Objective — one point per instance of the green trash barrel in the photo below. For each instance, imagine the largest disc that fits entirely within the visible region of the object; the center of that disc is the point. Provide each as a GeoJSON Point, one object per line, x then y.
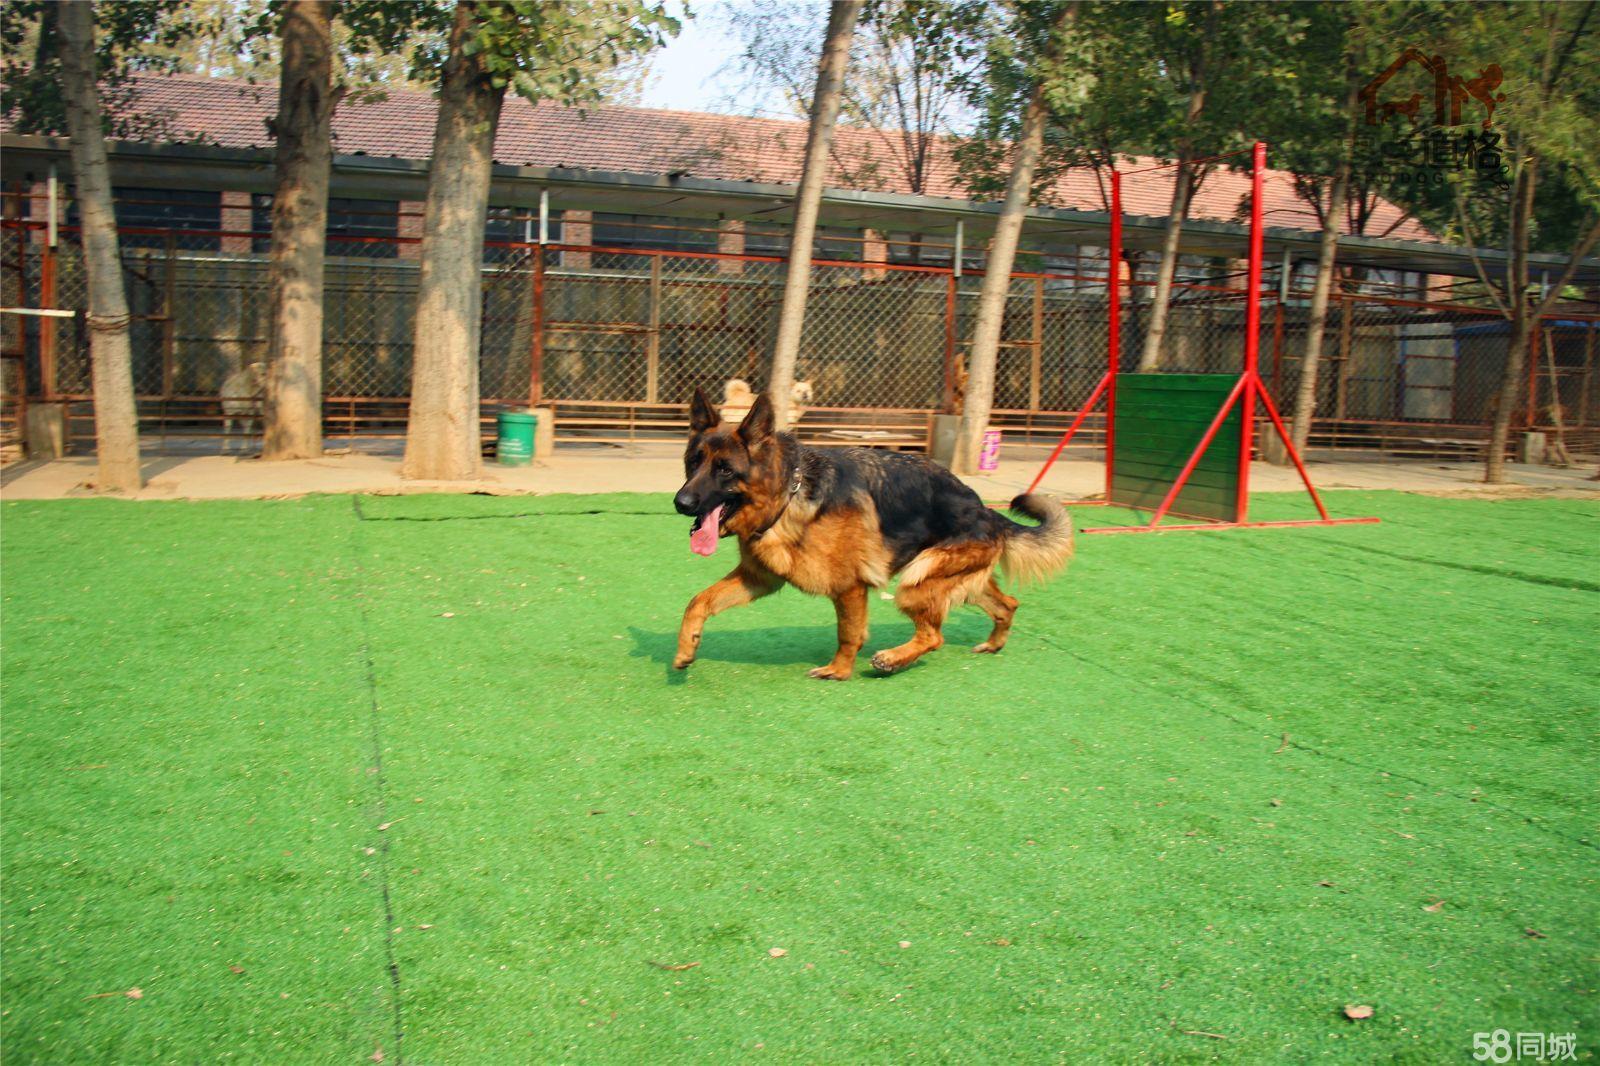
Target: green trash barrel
{"type": "Point", "coordinates": [515, 445]}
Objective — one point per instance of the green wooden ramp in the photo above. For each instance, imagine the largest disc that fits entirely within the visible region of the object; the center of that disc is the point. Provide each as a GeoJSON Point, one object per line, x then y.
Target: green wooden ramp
{"type": "Point", "coordinates": [1159, 421]}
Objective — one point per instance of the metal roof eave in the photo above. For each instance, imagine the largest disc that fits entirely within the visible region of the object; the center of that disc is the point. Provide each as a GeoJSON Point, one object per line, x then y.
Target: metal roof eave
{"type": "Point", "coordinates": [686, 196]}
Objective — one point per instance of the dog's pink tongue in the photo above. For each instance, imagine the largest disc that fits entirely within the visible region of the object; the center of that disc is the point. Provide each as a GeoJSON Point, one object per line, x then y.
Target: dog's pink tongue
{"type": "Point", "coordinates": [703, 541]}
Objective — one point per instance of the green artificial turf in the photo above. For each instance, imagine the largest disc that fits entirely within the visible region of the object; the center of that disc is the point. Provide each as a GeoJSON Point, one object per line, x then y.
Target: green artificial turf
{"type": "Point", "coordinates": [418, 767]}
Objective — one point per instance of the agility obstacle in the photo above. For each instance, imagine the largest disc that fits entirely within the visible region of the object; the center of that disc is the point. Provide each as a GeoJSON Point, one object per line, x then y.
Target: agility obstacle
{"type": "Point", "coordinates": [1154, 420]}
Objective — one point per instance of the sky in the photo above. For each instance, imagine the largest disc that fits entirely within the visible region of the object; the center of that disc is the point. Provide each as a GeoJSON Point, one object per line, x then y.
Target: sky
{"type": "Point", "coordinates": [694, 71]}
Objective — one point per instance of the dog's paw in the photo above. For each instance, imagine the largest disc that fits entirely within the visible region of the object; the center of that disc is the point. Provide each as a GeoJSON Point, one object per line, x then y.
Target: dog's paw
{"type": "Point", "coordinates": [885, 663]}
{"type": "Point", "coordinates": [829, 673]}
{"type": "Point", "coordinates": [986, 648]}
{"type": "Point", "coordinates": [681, 662]}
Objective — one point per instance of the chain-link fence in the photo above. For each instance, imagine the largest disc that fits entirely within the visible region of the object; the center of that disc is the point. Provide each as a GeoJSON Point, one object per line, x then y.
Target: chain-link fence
{"type": "Point", "coordinates": [618, 338]}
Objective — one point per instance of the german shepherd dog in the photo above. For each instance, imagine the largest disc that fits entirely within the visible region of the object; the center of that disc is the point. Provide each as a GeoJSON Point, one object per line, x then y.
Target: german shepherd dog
{"type": "Point", "coordinates": [838, 522]}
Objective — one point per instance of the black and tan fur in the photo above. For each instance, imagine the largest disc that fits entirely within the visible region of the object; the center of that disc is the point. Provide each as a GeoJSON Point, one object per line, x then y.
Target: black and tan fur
{"type": "Point", "coordinates": [838, 522]}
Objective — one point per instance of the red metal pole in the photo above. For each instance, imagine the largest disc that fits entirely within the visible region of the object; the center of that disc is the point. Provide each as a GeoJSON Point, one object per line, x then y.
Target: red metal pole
{"type": "Point", "coordinates": [47, 324]}
{"type": "Point", "coordinates": [1211, 526]}
{"type": "Point", "coordinates": [536, 357]}
{"type": "Point", "coordinates": [1205, 442]}
{"type": "Point", "coordinates": [1083, 413]}
{"type": "Point", "coordinates": [1533, 375]}
{"type": "Point", "coordinates": [950, 344]}
{"type": "Point", "coordinates": [1288, 442]}
{"type": "Point", "coordinates": [1252, 334]}
{"type": "Point", "coordinates": [1114, 324]}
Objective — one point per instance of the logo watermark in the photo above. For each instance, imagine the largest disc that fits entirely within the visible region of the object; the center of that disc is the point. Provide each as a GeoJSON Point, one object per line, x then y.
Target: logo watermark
{"type": "Point", "coordinates": [1410, 150]}
{"type": "Point", "coordinates": [1501, 1045]}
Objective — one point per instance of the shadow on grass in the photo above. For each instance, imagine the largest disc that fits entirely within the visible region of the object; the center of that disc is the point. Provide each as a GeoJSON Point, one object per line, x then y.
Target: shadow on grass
{"type": "Point", "coordinates": [799, 646]}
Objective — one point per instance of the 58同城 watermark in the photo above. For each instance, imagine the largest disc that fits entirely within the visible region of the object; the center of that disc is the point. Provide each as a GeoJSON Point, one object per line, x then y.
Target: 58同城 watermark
{"type": "Point", "coordinates": [1502, 1045]}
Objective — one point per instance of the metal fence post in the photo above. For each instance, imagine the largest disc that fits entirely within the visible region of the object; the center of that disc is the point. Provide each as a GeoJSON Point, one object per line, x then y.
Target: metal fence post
{"type": "Point", "coordinates": [536, 356]}
{"type": "Point", "coordinates": [1588, 372]}
{"type": "Point", "coordinates": [1342, 381]}
{"type": "Point", "coordinates": [1534, 340]}
{"type": "Point", "coordinates": [47, 324]}
{"type": "Point", "coordinates": [652, 354]}
{"type": "Point", "coordinates": [168, 324]}
{"type": "Point", "coordinates": [949, 403]}
{"type": "Point", "coordinates": [1035, 364]}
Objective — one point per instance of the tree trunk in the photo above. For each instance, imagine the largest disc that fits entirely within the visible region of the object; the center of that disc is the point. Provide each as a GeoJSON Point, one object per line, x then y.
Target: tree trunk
{"type": "Point", "coordinates": [1305, 402]}
{"type": "Point", "coordinates": [808, 199]}
{"type": "Point", "coordinates": [116, 420]}
{"type": "Point", "coordinates": [304, 124]}
{"type": "Point", "coordinates": [1155, 330]}
{"type": "Point", "coordinates": [996, 286]}
{"type": "Point", "coordinates": [442, 436]}
{"type": "Point", "coordinates": [1521, 321]}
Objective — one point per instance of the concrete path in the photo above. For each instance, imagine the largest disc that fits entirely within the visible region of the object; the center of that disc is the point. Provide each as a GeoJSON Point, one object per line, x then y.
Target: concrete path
{"type": "Point", "coordinates": [657, 467]}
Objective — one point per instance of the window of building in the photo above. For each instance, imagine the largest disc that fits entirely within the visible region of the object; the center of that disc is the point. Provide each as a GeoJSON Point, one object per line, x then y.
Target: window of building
{"type": "Point", "coordinates": [193, 216]}
{"type": "Point", "coordinates": [351, 225]}
{"type": "Point", "coordinates": [660, 234]}
{"type": "Point", "coordinates": [518, 224]}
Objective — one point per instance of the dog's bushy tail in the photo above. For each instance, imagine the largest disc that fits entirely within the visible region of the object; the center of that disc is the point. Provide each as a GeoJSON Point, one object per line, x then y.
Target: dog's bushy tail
{"type": "Point", "coordinates": [1033, 553]}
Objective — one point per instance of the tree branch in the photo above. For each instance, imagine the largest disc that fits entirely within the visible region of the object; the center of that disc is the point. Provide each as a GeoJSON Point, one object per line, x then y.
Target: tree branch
{"type": "Point", "coordinates": [1572, 266]}
{"type": "Point", "coordinates": [1472, 250]}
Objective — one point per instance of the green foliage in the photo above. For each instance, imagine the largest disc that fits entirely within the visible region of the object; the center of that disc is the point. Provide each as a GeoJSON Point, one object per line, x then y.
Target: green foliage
{"type": "Point", "coordinates": [546, 51]}
{"type": "Point", "coordinates": [129, 36]}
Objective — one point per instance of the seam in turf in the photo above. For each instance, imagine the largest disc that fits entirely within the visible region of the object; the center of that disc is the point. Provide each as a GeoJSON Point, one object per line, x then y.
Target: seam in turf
{"type": "Point", "coordinates": [1532, 821]}
{"type": "Point", "coordinates": [1576, 584]}
{"type": "Point", "coordinates": [382, 803]}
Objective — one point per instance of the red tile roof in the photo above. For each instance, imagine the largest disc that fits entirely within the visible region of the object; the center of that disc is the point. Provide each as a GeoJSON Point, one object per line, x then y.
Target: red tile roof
{"type": "Point", "coordinates": [233, 114]}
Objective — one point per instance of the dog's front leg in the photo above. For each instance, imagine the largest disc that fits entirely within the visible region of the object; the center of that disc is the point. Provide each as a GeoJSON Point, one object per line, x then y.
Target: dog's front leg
{"type": "Point", "coordinates": [851, 608]}
{"type": "Point", "coordinates": [735, 590]}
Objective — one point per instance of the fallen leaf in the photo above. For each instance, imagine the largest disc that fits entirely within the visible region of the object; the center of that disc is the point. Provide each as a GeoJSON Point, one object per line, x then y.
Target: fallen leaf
{"type": "Point", "coordinates": [671, 965]}
{"type": "Point", "coordinates": [597, 812]}
{"type": "Point", "coordinates": [424, 927]}
{"type": "Point", "coordinates": [1001, 943]}
{"type": "Point", "coordinates": [1356, 1013]}
{"type": "Point", "coordinates": [237, 969]}
{"type": "Point", "coordinates": [377, 1056]}
{"type": "Point", "coordinates": [448, 614]}
{"type": "Point", "coordinates": [132, 993]}
{"type": "Point", "coordinates": [1199, 1032]}
{"type": "Point", "coordinates": [1324, 884]}
{"type": "Point", "coordinates": [905, 943]}
{"type": "Point", "coordinates": [1434, 907]}
{"type": "Point", "coordinates": [384, 826]}
{"type": "Point", "coordinates": [1276, 802]}
{"type": "Point", "coordinates": [1535, 934]}
{"type": "Point", "coordinates": [777, 953]}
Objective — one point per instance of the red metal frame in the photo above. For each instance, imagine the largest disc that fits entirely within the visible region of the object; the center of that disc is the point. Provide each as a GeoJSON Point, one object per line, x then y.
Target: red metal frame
{"type": "Point", "coordinates": [1245, 391]}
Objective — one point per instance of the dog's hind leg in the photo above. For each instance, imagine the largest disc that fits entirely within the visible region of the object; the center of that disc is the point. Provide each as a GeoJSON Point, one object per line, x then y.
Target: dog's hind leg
{"type": "Point", "coordinates": [851, 607]}
{"type": "Point", "coordinates": [1000, 607]}
{"type": "Point", "coordinates": [746, 583]}
{"type": "Point", "coordinates": [934, 582]}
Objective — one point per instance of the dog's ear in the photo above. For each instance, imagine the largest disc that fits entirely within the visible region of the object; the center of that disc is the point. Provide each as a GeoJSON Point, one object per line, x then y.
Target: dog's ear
{"type": "Point", "coordinates": [702, 416]}
{"type": "Point", "coordinates": [757, 425]}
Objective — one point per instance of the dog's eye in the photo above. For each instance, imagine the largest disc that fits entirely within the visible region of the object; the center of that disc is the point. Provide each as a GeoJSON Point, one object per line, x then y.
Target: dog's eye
{"type": "Point", "coordinates": [723, 471]}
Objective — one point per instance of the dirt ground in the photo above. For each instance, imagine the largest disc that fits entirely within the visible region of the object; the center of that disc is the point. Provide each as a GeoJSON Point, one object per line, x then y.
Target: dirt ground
{"type": "Point", "coordinates": [656, 467]}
